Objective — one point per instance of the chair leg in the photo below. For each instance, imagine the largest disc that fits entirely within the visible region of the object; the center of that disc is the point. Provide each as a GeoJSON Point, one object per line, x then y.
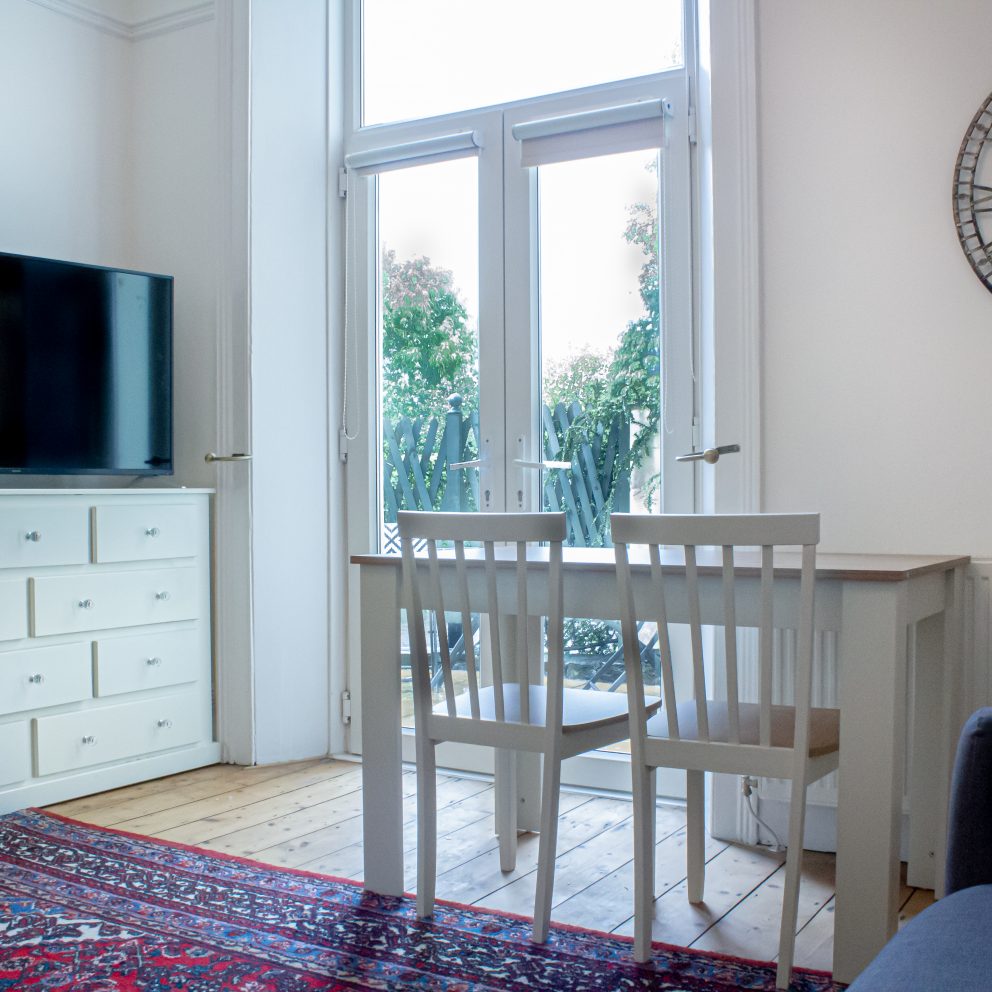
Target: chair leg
{"type": "Point", "coordinates": [548, 846]}
{"type": "Point", "coordinates": [426, 826]}
{"type": "Point", "coordinates": [506, 808]}
{"type": "Point", "coordinates": [644, 788]}
{"type": "Point", "coordinates": [695, 843]}
{"type": "Point", "coordinates": [790, 894]}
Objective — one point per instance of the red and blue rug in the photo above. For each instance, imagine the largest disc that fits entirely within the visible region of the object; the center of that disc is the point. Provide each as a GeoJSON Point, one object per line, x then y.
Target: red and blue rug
{"type": "Point", "coordinates": [85, 909]}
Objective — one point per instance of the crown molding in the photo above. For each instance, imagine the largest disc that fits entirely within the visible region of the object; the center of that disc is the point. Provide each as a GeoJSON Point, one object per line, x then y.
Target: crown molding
{"type": "Point", "coordinates": [98, 14]}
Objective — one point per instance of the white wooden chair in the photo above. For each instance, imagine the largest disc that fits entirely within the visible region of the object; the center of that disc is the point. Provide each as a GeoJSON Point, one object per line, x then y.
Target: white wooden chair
{"type": "Point", "coordinates": [700, 733]}
{"type": "Point", "coordinates": [510, 714]}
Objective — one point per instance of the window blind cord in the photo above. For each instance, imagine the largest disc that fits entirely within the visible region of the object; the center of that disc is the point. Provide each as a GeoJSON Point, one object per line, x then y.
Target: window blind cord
{"type": "Point", "coordinates": [349, 227]}
{"type": "Point", "coordinates": [663, 343]}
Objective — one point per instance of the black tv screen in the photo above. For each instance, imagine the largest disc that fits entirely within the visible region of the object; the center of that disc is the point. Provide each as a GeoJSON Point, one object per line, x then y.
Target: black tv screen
{"type": "Point", "coordinates": [85, 369]}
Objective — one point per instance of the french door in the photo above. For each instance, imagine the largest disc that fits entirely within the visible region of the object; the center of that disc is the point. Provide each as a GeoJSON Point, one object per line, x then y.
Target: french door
{"type": "Point", "coordinates": [520, 325]}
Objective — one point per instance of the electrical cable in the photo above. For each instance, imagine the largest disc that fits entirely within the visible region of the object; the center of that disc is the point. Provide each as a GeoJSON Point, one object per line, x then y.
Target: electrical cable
{"type": "Point", "coordinates": [747, 789]}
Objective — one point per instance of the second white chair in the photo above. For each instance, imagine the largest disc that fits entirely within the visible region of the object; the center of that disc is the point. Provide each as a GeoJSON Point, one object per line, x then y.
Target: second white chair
{"type": "Point", "coordinates": [697, 731]}
{"type": "Point", "coordinates": [512, 713]}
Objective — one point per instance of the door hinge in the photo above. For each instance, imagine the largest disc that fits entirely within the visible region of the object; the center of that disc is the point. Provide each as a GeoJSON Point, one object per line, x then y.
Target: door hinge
{"type": "Point", "coordinates": [695, 433]}
{"type": "Point", "coordinates": [346, 707]}
{"type": "Point", "coordinates": [692, 126]}
{"type": "Point", "coordinates": [342, 182]}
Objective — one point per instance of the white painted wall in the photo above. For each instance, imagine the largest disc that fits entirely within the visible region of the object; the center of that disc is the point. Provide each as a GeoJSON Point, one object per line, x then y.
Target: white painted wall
{"type": "Point", "coordinates": [64, 190]}
{"type": "Point", "coordinates": [289, 378]}
{"type": "Point", "coordinates": [172, 224]}
{"type": "Point", "coordinates": [109, 157]}
{"type": "Point", "coordinates": [877, 336]}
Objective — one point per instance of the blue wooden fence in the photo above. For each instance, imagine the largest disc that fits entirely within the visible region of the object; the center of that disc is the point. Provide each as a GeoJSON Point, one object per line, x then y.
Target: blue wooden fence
{"type": "Point", "coordinates": [418, 454]}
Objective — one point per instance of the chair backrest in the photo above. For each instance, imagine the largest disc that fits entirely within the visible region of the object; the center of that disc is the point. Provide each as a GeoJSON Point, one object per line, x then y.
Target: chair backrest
{"type": "Point", "coordinates": [425, 590]}
{"type": "Point", "coordinates": [710, 596]}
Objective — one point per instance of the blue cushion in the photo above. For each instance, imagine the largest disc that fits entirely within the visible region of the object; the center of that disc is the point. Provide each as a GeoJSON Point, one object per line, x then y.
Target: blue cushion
{"type": "Point", "coordinates": [945, 947]}
{"type": "Point", "coordinates": [969, 829]}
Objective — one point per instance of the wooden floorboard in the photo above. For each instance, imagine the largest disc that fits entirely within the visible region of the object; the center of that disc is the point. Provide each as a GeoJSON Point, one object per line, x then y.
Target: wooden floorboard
{"type": "Point", "coordinates": [308, 815]}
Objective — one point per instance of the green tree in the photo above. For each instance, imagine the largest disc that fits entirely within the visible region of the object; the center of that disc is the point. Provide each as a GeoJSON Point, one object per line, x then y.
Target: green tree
{"type": "Point", "coordinates": [429, 351]}
{"type": "Point", "coordinates": [623, 386]}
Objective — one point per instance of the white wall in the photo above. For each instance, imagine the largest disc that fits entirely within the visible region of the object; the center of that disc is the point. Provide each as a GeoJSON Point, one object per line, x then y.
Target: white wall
{"type": "Point", "coordinates": [63, 121]}
{"type": "Point", "coordinates": [172, 224]}
{"type": "Point", "coordinates": [877, 336]}
{"type": "Point", "coordinates": [289, 378]}
{"type": "Point", "coordinates": [109, 158]}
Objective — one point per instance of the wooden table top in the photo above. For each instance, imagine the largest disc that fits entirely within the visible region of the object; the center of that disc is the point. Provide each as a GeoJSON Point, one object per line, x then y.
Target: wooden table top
{"type": "Point", "coordinates": [829, 565]}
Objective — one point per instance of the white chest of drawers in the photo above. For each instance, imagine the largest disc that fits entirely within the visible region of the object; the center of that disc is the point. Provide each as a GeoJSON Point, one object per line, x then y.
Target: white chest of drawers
{"type": "Point", "coordinates": [105, 648]}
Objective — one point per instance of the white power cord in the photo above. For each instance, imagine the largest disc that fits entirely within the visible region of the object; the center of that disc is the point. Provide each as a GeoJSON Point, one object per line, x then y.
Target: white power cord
{"type": "Point", "coordinates": [749, 785]}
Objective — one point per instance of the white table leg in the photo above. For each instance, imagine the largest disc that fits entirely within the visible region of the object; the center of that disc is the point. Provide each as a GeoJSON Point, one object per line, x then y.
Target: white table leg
{"type": "Point", "coordinates": [382, 759]}
{"type": "Point", "coordinates": [954, 715]}
{"type": "Point", "coordinates": [869, 807]}
{"type": "Point", "coordinates": [927, 749]}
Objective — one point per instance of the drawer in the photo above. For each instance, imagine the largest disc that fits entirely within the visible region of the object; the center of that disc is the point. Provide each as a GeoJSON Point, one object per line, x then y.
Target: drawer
{"type": "Point", "coordinates": [65, 604]}
{"type": "Point", "coordinates": [41, 677]}
{"type": "Point", "coordinates": [54, 535]}
{"type": "Point", "coordinates": [136, 533]}
{"type": "Point", "coordinates": [15, 752]}
{"type": "Point", "coordinates": [68, 741]}
{"type": "Point", "coordinates": [147, 661]}
{"type": "Point", "coordinates": [13, 609]}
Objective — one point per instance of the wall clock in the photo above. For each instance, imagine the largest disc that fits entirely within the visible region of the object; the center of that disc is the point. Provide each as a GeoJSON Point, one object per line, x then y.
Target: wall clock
{"type": "Point", "coordinates": [973, 193]}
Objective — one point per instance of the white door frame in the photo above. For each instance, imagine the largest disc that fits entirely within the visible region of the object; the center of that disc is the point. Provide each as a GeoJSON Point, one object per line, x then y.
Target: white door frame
{"type": "Point", "coordinates": [233, 661]}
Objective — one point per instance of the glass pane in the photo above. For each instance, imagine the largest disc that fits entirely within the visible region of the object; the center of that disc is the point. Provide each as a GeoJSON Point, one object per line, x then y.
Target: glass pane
{"type": "Point", "coordinates": [429, 349]}
{"type": "Point", "coordinates": [600, 370]}
{"type": "Point", "coordinates": [440, 56]}
{"type": "Point", "coordinates": [600, 339]}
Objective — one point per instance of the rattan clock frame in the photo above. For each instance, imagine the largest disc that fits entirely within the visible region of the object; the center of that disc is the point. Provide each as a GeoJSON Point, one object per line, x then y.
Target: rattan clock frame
{"type": "Point", "coordinates": [971, 199]}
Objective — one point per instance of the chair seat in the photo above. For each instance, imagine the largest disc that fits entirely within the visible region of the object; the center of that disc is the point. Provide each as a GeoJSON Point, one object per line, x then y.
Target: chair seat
{"type": "Point", "coordinates": [824, 726]}
{"type": "Point", "coordinates": [584, 709]}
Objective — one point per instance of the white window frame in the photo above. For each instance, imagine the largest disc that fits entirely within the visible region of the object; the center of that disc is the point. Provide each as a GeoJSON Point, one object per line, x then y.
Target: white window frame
{"type": "Point", "coordinates": [693, 271]}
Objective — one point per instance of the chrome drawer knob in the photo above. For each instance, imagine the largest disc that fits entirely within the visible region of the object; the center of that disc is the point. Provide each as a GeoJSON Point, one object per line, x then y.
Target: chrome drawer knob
{"type": "Point", "coordinates": [165, 724]}
{"type": "Point", "coordinates": [33, 535]}
{"type": "Point", "coordinates": [163, 595]}
{"type": "Point", "coordinates": [37, 678]}
{"type": "Point", "coordinates": [86, 604]}
{"type": "Point", "coordinates": [89, 739]}
{"type": "Point", "coordinates": [153, 661]}
{"type": "Point", "coordinates": [152, 531]}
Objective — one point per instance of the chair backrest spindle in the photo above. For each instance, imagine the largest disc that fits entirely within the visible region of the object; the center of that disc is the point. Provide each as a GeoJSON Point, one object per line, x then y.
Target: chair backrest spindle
{"type": "Point", "coordinates": [730, 646]}
{"type": "Point", "coordinates": [664, 642]}
{"type": "Point", "coordinates": [467, 635]}
{"type": "Point", "coordinates": [523, 640]}
{"type": "Point", "coordinates": [696, 634]}
{"type": "Point", "coordinates": [766, 632]}
{"type": "Point", "coordinates": [442, 627]}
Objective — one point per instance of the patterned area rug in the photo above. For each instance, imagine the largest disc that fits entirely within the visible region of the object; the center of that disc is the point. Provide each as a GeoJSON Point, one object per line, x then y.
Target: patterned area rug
{"type": "Point", "coordinates": [94, 910]}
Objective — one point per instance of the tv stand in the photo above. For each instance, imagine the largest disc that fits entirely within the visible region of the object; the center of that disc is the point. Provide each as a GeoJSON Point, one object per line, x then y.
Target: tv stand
{"type": "Point", "coordinates": [105, 648]}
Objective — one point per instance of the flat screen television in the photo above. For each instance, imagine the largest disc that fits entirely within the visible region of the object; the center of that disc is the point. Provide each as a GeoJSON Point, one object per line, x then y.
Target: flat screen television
{"type": "Point", "coordinates": [85, 369]}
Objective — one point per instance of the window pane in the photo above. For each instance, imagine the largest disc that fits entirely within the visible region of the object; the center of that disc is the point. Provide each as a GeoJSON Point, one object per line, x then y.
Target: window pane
{"type": "Point", "coordinates": [429, 340]}
{"type": "Point", "coordinates": [600, 339]}
{"type": "Point", "coordinates": [439, 56]}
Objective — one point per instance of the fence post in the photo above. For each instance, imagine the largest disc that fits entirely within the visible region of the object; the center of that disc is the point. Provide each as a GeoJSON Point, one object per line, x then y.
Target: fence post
{"type": "Point", "coordinates": [451, 445]}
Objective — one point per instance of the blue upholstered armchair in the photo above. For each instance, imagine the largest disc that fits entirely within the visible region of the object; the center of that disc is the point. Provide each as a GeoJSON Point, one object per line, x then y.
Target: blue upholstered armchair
{"type": "Point", "coordinates": [949, 945]}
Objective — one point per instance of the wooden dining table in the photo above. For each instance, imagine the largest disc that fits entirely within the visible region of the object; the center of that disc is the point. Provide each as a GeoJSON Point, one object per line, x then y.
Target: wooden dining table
{"type": "Point", "coordinates": [897, 620]}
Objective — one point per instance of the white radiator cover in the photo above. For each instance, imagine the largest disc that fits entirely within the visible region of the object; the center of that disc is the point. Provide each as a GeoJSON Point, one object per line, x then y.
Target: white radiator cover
{"type": "Point", "coordinates": [731, 819]}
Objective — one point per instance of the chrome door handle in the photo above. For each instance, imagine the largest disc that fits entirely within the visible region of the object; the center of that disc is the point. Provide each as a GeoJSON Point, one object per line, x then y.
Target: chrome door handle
{"type": "Point", "coordinates": [710, 455]}
{"type": "Point", "coordinates": [524, 463]}
{"type": "Point", "coordinates": [237, 456]}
